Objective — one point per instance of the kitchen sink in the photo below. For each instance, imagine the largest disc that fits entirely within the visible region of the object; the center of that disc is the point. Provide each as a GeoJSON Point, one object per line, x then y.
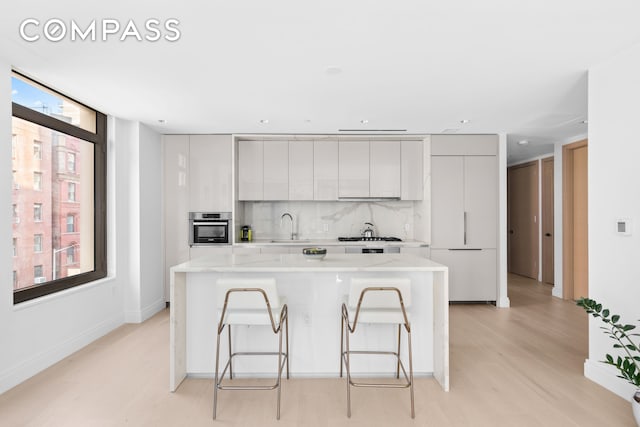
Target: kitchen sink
{"type": "Point", "coordinates": [290, 241]}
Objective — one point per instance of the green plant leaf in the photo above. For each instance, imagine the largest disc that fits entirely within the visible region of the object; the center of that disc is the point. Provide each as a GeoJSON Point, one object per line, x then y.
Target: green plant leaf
{"type": "Point", "coordinates": [628, 327]}
{"type": "Point", "coordinates": [615, 318]}
{"type": "Point", "coordinates": [605, 312]}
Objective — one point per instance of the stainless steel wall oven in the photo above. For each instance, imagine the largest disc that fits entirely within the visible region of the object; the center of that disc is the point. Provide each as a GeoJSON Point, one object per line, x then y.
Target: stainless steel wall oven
{"type": "Point", "coordinates": [209, 228]}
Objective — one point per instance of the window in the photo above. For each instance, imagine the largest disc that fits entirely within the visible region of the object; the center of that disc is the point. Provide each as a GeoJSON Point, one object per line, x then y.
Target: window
{"type": "Point", "coordinates": [15, 247]}
{"type": "Point", "coordinates": [71, 254]}
{"type": "Point", "coordinates": [60, 133]}
{"type": "Point", "coordinates": [37, 181]}
{"type": "Point", "coordinates": [37, 150]}
{"type": "Point", "coordinates": [71, 192]}
{"type": "Point", "coordinates": [37, 243]}
{"type": "Point", "coordinates": [38, 272]}
{"type": "Point", "coordinates": [71, 162]}
{"type": "Point", "coordinates": [37, 212]}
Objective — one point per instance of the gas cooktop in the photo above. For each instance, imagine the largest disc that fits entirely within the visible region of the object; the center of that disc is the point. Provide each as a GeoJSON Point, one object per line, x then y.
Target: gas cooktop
{"type": "Point", "coordinates": [369, 239]}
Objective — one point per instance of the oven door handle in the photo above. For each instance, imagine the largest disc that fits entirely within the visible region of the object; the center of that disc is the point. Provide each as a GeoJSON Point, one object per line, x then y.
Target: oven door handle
{"type": "Point", "coordinates": [210, 223]}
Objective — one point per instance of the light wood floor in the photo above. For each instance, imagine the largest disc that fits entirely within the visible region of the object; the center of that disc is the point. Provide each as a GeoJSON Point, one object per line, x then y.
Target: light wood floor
{"type": "Point", "coordinates": [513, 367]}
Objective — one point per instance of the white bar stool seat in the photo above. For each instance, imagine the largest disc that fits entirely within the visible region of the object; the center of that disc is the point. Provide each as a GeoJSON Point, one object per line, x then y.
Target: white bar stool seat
{"type": "Point", "coordinates": [376, 301]}
{"type": "Point", "coordinates": [250, 302]}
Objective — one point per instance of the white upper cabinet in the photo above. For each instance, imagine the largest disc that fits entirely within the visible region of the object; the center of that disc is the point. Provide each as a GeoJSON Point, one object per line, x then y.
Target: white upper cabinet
{"type": "Point", "coordinates": [210, 173]}
{"type": "Point", "coordinates": [384, 169]}
{"type": "Point", "coordinates": [325, 170]}
{"type": "Point", "coordinates": [464, 192]}
{"type": "Point", "coordinates": [276, 170]}
{"type": "Point", "coordinates": [330, 170]}
{"type": "Point", "coordinates": [447, 201]}
{"type": "Point", "coordinates": [250, 170]}
{"type": "Point", "coordinates": [481, 200]}
{"type": "Point", "coordinates": [353, 169]}
{"type": "Point", "coordinates": [301, 170]}
{"type": "Point", "coordinates": [412, 170]}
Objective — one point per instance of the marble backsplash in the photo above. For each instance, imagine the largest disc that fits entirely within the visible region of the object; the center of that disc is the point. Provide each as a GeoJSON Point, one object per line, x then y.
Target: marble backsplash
{"type": "Point", "coordinates": [328, 220]}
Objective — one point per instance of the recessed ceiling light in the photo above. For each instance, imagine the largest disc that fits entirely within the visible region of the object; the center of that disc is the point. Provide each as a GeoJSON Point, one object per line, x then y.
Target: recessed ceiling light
{"type": "Point", "coordinates": [364, 121]}
{"type": "Point", "coordinates": [264, 121]}
{"type": "Point", "coordinates": [162, 121]}
{"type": "Point", "coordinates": [584, 122]}
{"type": "Point", "coordinates": [465, 121]}
{"type": "Point", "coordinates": [332, 69]}
{"type": "Point", "coordinates": [523, 142]}
{"type": "Point", "coordinates": [307, 121]}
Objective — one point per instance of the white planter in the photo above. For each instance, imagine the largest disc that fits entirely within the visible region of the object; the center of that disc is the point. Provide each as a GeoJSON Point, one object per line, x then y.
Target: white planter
{"type": "Point", "coordinates": [636, 408]}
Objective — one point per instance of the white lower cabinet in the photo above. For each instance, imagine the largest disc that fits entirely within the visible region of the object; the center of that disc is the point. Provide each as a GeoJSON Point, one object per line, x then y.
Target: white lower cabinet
{"type": "Point", "coordinates": [239, 250]}
{"type": "Point", "coordinates": [472, 273]}
{"type": "Point", "coordinates": [208, 251]}
{"type": "Point", "coordinates": [421, 251]}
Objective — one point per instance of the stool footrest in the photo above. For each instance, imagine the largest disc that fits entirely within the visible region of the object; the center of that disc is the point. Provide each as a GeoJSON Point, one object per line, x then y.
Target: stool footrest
{"type": "Point", "coordinates": [406, 384]}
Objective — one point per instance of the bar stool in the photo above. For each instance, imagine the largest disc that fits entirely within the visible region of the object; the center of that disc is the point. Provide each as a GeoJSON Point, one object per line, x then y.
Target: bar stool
{"type": "Point", "coordinates": [250, 302]}
{"type": "Point", "coordinates": [380, 301]}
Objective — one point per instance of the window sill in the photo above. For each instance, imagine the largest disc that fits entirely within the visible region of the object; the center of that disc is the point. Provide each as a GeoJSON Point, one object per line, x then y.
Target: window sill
{"type": "Point", "coordinates": [63, 294]}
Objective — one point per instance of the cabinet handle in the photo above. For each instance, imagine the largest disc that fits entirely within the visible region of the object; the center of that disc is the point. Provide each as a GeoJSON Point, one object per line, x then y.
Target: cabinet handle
{"type": "Point", "coordinates": [465, 228]}
{"type": "Point", "coordinates": [465, 249]}
{"type": "Point", "coordinates": [548, 234]}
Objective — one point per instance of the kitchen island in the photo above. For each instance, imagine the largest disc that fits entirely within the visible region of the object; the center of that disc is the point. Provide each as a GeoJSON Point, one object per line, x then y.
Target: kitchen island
{"type": "Point", "coordinates": [314, 290]}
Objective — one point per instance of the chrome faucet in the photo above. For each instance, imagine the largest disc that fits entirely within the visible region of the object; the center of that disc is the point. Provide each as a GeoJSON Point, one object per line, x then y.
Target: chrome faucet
{"type": "Point", "coordinates": [293, 235]}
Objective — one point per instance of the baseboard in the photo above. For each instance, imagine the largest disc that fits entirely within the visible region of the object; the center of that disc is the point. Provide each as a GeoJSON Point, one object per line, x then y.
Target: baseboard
{"type": "Point", "coordinates": [31, 366]}
{"type": "Point", "coordinates": [139, 316]}
{"type": "Point", "coordinates": [605, 375]}
{"type": "Point", "coordinates": [504, 302]}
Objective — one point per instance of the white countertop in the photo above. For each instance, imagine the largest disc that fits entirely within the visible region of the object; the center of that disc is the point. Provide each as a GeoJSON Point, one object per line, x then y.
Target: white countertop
{"type": "Point", "coordinates": [328, 242]}
{"type": "Point", "coordinates": [297, 262]}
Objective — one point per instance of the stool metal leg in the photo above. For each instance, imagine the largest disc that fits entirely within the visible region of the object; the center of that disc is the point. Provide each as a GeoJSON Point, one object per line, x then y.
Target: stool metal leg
{"type": "Point", "coordinates": [287, 332]}
{"type": "Point", "coordinates": [341, 344]}
{"type": "Point", "coordinates": [279, 371]}
{"type": "Point", "coordinates": [398, 361]}
{"type": "Point", "coordinates": [348, 366]}
{"type": "Point", "coordinates": [230, 358]}
{"type": "Point", "coordinates": [413, 412]}
{"type": "Point", "coordinates": [215, 378]}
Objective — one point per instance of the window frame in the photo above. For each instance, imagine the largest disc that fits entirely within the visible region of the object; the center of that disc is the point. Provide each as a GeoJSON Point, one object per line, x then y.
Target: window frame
{"type": "Point", "coordinates": [99, 139]}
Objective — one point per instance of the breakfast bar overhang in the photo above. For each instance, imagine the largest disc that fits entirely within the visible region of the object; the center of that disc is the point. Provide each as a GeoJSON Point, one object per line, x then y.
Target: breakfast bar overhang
{"type": "Point", "coordinates": [314, 290]}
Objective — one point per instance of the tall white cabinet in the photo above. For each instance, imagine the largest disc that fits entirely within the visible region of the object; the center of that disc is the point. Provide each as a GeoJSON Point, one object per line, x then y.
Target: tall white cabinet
{"type": "Point", "coordinates": [176, 202]}
{"type": "Point", "coordinates": [196, 178]}
{"type": "Point", "coordinates": [464, 213]}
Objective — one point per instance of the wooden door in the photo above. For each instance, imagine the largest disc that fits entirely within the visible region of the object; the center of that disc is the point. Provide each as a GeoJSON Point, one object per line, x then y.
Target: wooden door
{"type": "Point", "coordinates": [522, 183]}
{"type": "Point", "coordinates": [547, 220]}
{"type": "Point", "coordinates": [575, 250]}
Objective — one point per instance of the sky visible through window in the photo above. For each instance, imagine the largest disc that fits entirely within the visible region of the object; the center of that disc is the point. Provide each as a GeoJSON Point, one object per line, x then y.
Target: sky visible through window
{"type": "Point", "coordinates": [34, 98]}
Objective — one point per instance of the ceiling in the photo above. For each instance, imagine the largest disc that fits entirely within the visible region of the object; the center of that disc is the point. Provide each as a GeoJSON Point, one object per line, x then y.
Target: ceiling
{"type": "Point", "coordinates": [518, 68]}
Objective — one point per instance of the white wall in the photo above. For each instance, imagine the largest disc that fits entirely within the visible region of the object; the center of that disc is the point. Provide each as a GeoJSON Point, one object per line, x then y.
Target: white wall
{"type": "Point", "coordinates": [614, 151]}
{"type": "Point", "coordinates": [139, 180]}
{"type": "Point", "coordinates": [151, 245]}
{"type": "Point", "coordinates": [38, 333]}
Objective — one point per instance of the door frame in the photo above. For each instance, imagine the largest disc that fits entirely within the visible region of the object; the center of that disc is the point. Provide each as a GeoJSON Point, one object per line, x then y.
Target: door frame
{"type": "Point", "coordinates": [545, 218]}
{"type": "Point", "coordinates": [568, 216]}
{"type": "Point", "coordinates": [535, 197]}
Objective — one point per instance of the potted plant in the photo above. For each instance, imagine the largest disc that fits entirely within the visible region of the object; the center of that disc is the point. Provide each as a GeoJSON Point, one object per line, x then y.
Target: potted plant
{"type": "Point", "coordinates": [628, 365]}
